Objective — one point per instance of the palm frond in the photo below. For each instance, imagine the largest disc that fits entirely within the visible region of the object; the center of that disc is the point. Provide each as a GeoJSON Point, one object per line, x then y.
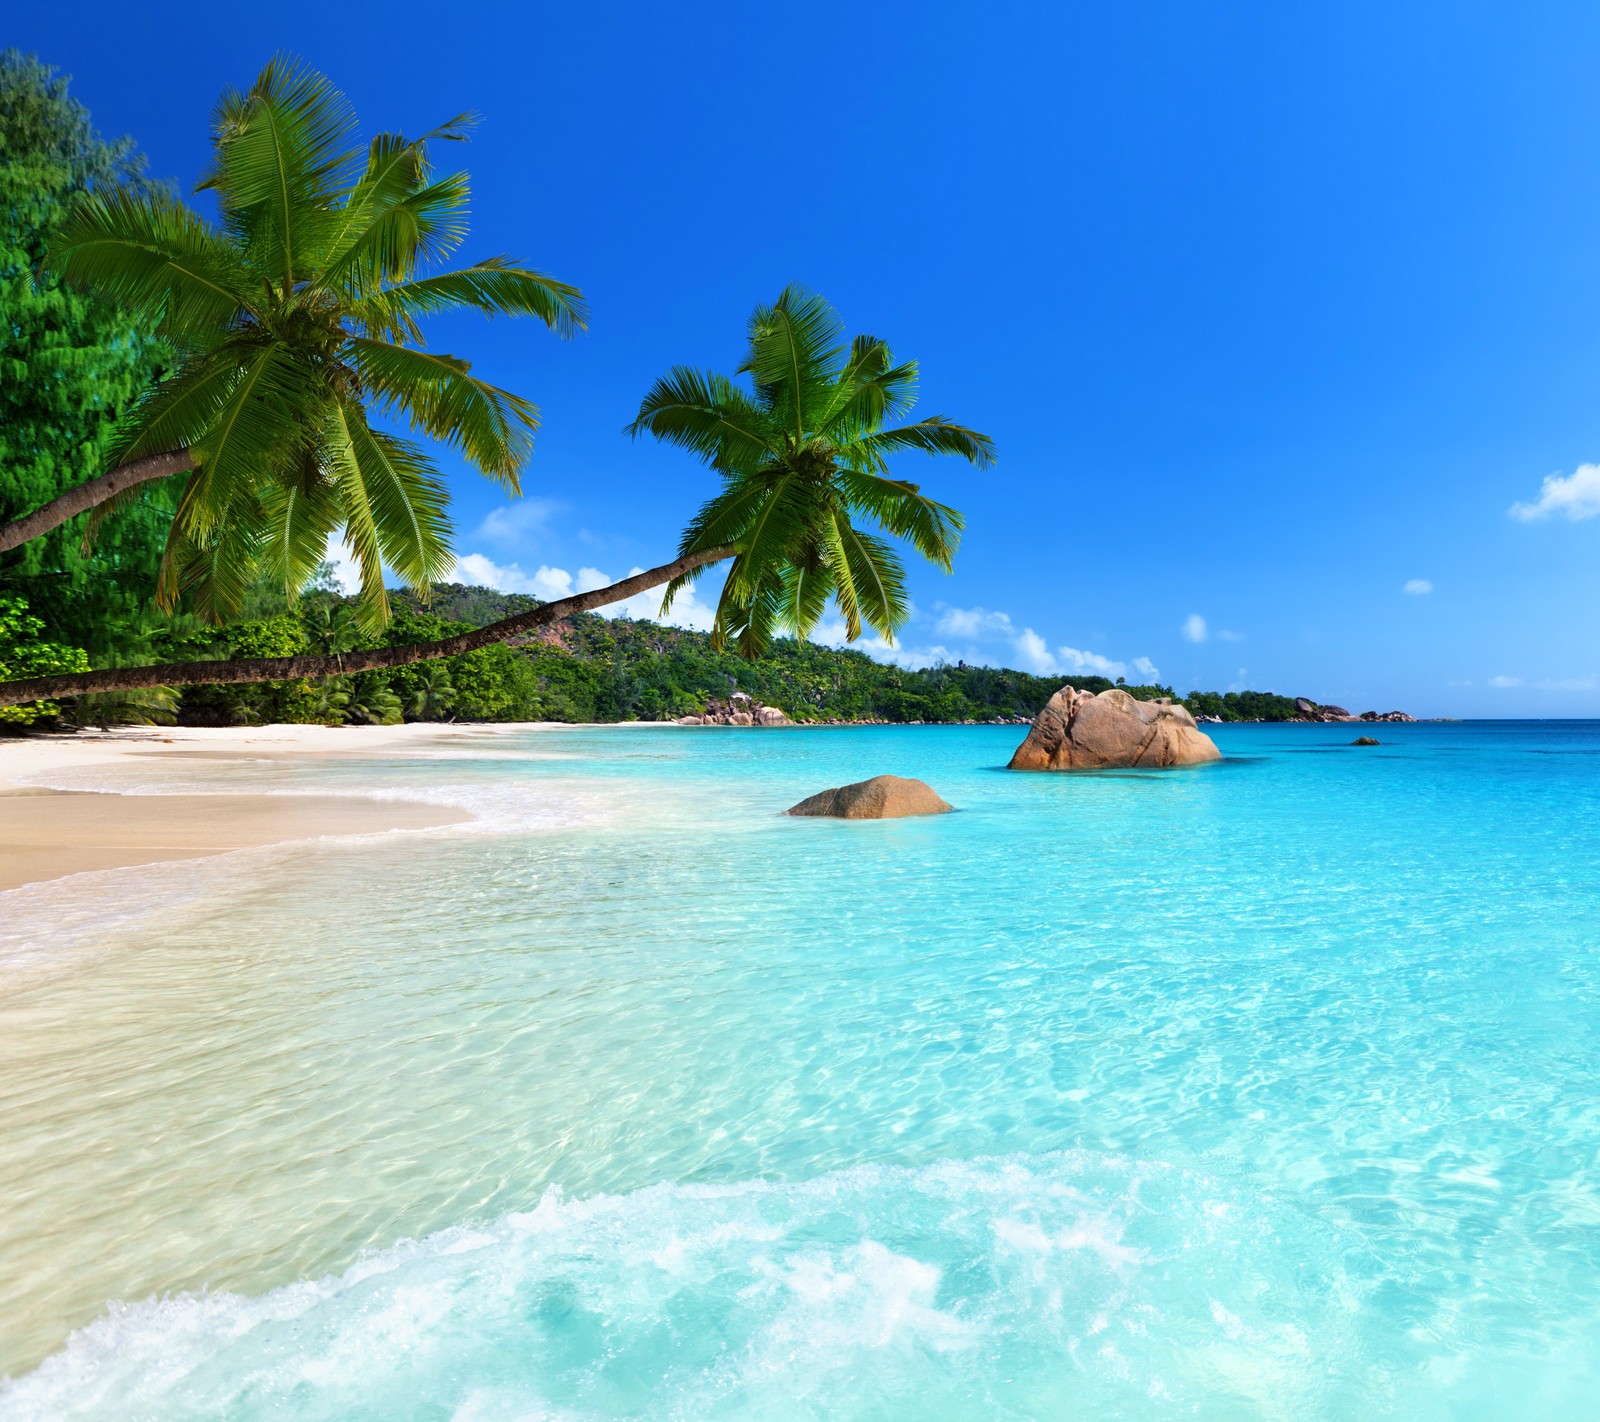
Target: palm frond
{"type": "Point", "coordinates": [260, 428]}
{"type": "Point", "coordinates": [777, 529]}
{"type": "Point", "coordinates": [870, 391]}
{"type": "Point", "coordinates": [216, 562]}
{"type": "Point", "coordinates": [808, 583]}
{"type": "Point", "coordinates": [878, 578]}
{"type": "Point", "coordinates": [149, 252]}
{"type": "Point", "coordinates": [934, 435]}
{"type": "Point", "coordinates": [409, 501]}
{"type": "Point", "coordinates": [396, 167]}
{"type": "Point", "coordinates": [725, 518]}
{"type": "Point", "coordinates": [493, 428]}
{"type": "Point", "coordinates": [361, 533]}
{"type": "Point", "coordinates": [932, 528]}
{"type": "Point", "coordinates": [709, 415]}
{"type": "Point", "coordinates": [177, 413]}
{"type": "Point", "coordinates": [795, 348]}
{"type": "Point", "coordinates": [494, 287]}
{"type": "Point", "coordinates": [282, 154]}
{"type": "Point", "coordinates": [299, 515]}
{"type": "Point", "coordinates": [424, 226]}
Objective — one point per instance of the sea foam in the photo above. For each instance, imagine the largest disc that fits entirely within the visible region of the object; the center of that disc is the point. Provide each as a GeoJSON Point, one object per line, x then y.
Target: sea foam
{"type": "Point", "coordinates": [1068, 1284]}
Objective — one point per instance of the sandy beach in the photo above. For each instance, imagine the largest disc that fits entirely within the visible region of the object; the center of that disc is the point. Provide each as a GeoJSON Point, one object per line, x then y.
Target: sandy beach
{"type": "Point", "coordinates": [48, 833]}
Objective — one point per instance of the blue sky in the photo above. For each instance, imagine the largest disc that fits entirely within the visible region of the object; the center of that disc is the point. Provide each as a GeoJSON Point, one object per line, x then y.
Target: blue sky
{"type": "Point", "coordinates": [1275, 311]}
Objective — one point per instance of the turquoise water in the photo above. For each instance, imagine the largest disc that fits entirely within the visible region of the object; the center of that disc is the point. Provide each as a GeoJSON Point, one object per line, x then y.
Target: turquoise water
{"type": "Point", "coordinates": [1260, 1090]}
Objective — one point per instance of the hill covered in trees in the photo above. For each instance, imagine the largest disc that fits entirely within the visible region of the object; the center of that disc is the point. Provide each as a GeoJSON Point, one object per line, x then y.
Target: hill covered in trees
{"type": "Point", "coordinates": [585, 668]}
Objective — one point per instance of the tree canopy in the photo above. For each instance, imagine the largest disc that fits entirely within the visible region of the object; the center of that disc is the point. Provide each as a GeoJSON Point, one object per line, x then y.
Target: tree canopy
{"type": "Point", "coordinates": [295, 320]}
{"type": "Point", "coordinates": [71, 364]}
{"type": "Point", "coordinates": [804, 454]}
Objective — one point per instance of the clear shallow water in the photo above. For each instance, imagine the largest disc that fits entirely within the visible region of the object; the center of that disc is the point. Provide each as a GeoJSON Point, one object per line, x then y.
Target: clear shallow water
{"type": "Point", "coordinates": [1264, 1090]}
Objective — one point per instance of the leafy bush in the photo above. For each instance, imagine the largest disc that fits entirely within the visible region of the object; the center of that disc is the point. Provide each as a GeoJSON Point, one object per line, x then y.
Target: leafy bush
{"type": "Point", "coordinates": [25, 653]}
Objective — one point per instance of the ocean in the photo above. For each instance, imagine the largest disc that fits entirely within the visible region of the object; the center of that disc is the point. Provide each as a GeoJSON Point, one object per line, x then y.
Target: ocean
{"type": "Point", "coordinates": [1260, 1090]}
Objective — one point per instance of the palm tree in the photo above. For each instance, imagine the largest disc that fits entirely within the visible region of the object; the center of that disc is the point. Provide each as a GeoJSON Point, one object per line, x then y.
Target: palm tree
{"type": "Point", "coordinates": [431, 693]}
{"type": "Point", "coordinates": [296, 319]}
{"type": "Point", "coordinates": [804, 455]}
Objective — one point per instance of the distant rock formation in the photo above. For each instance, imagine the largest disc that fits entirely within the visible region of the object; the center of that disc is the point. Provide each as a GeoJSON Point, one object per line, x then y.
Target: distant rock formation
{"type": "Point", "coordinates": [739, 709]}
{"type": "Point", "coordinates": [884, 797]}
{"type": "Point", "coordinates": [1365, 741]}
{"type": "Point", "coordinates": [1307, 710]}
{"type": "Point", "coordinates": [1080, 731]}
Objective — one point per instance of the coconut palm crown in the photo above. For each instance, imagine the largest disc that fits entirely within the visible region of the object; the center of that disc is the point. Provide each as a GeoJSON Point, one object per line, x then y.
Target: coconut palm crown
{"type": "Point", "coordinates": [295, 318]}
{"type": "Point", "coordinates": [804, 455]}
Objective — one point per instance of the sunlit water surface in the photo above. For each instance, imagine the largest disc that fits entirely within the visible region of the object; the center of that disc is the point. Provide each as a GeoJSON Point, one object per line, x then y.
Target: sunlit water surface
{"type": "Point", "coordinates": [1261, 1090]}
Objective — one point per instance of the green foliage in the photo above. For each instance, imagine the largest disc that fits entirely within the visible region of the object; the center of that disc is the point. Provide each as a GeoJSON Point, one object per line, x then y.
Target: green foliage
{"type": "Point", "coordinates": [1241, 705]}
{"type": "Point", "coordinates": [295, 319]}
{"type": "Point", "coordinates": [615, 669]}
{"type": "Point", "coordinates": [24, 652]}
{"type": "Point", "coordinates": [587, 668]}
{"type": "Point", "coordinates": [70, 365]}
{"type": "Point", "coordinates": [804, 457]}
{"type": "Point", "coordinates": [148, 706]}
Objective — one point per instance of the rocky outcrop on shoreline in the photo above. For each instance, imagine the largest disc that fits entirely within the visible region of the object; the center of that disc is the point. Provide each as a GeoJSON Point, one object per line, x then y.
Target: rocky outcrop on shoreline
{"type": "Point", "coordinates": [1308, 710]}
{"type": "Point", "coordinates": [884, 797]}
{"type": "Point", "coordinates": [738, 710]}
{"type": "Point", "coordinates": [1078, 730]}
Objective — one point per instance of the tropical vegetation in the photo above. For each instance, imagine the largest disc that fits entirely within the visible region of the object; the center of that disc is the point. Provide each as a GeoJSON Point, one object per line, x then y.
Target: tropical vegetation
{"type": "Point", "coordinates": [293, 322]}
{"type": "Point", "coordinates": [233, 380]}
{"type": "Point", "coordinates": [581, 668]}
{"type": "Point", "coordinates": [71, 366]}
{"type": "Point", "coordinates": [803, 454]}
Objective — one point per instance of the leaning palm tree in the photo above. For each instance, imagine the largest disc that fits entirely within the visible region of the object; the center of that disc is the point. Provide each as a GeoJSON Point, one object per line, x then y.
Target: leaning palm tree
{"type": "Point", "coordinates": [804, 457]}
{"type": "Point", "coordinates": [296, 320]}
{"type": "Point", "coordinates": [803, 454]}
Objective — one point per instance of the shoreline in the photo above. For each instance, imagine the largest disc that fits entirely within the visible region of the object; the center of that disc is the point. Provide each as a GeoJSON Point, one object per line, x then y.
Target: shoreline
{"type": "Point", "coordinates": [49, 833]}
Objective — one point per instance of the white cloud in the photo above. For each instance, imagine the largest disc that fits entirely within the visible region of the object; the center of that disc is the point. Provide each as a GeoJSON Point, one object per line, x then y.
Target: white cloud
{"type": "Point", "coordinates": [974, 622]}
{"type": "Point", "coordinates": [688, 609]}
{"type": "Point", "coordinates": [544, 582]}
{"type": "Point", "coordinates": [1505, 681]}
{"type": "Point", "coordinates": [1194, 628]}
{"type": "Point", "coordinates": [832, 633]}
{"type": "Point", "coordinates": [1025, 648]}
{"type": "Point", "coordinates": [1569, 683]}
{"type": "Point", "coordinates": [1574, 497]}
{"type": "Point", "coordinates": [1033, 652]}
{"type": "Point", "coordinates": [346, 574]}
{"type": "Point", "coordinates": [548, 584]}
{"type": "Point", "coordinates": [1226, 636]}
{"type": "Point", "coordinates": [516, 524]}
{"type": "Point", "coordinates": [1418, 587]}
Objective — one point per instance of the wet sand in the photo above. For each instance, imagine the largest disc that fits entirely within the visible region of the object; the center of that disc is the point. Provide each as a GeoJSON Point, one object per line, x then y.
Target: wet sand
{"type": "Point", "coordinates": [48, 833]}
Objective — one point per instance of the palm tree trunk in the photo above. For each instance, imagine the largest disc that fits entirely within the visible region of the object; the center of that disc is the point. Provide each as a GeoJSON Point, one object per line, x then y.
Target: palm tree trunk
{"type": "Point", "coordinates": [40, 688]}
{"type": "Point", "coordinates": [87, 496]}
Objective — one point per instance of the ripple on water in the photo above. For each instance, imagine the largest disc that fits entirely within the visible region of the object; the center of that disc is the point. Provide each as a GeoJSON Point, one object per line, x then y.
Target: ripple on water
{"type": "Point", "coordinates": [998, 1288]}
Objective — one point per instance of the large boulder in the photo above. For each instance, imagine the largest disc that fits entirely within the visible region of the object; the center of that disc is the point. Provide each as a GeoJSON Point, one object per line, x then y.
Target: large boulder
{"type": "Point", "coordinates": [1078, 730]}
{"type": "Point", "coordinates": [884, 797]}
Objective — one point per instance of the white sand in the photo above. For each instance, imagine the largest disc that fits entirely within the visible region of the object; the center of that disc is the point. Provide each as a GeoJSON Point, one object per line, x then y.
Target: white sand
{"type": "Point", "coordinates": [45, 833]}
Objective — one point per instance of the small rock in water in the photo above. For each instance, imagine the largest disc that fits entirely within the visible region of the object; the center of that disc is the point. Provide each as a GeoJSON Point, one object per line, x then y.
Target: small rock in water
{"type": "Point", "coordinates": [884, 797]}
{"type": "Point", "coordinates": [1365, 741]}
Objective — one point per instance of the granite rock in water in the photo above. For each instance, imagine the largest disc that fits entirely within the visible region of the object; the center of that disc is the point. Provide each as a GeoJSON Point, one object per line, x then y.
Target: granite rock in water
{"type": "Point", "coordinates": [1080, 731]}
{"type": "Point", "coordinates": [884, 797]}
